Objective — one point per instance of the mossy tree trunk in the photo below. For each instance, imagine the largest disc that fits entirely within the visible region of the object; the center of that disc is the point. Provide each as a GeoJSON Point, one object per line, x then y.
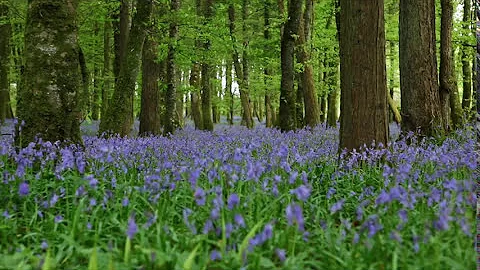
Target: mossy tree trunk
{"type": "Point", "coordinates": [107, 28]}
{"type": "Point", "coordinates": [5, 32]}
{"type": "Point", "coordinates": [363, 106]}
{"type": "Point", "coordinates": [287, 117]}
{"type": "Point", "coordinates": [418, 68]}
{"type": "Point", "coordinates": [118, 116]}
{"type": "Point", "coordinates": [448, 80]}
{"type": "Point", "coordinates": [48, 101]}
{"type": "Point", "coordinates": [170, 115]}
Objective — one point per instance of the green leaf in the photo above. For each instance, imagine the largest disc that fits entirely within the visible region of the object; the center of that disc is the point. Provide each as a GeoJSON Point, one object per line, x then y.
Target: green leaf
{"type": "Point", "coordinates": [188, 265]}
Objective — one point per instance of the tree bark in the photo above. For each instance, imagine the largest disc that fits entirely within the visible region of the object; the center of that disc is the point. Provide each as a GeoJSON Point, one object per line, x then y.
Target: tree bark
{"type": "Point", "coordinates": [48, 101]}
{"type": "Point", "coordinates": [363, 107]}
{"type": "Point", "coordinates": [107, 28]}
{"type": "Point", "coordinates": [229, 91]}
{"type": "Point", "coordinates": [466, 69]}
{"type": "Point", "coordinates": [95, 99]}
{"type": "Point", "coordinates": [418, 68]}
{"type": "Point", "coordinates": [207, 73]}
{"type": "Point", "coordinates": [195, 99]}
{"type": "Point", "coordinates": [312, 113]}
{"type": "Point", "coordinates": [5, 33]}
{"type": "Point", "coordinates": [241, 70]}
{"type": "Point", "coordinates": [171, 93]}
{"type": "Point", "coordinates": [119, 113]}
{"type": "Point", "coordinates": [448, 81]}
{"type": "Point", "coordinates": [287, 115]}
{"type": "Point", "coordinates": [150, 98]}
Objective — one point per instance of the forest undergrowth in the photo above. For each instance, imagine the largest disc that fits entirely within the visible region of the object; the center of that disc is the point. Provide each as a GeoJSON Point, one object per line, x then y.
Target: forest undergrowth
{"type": "Point", "coordinates": [238, 199]}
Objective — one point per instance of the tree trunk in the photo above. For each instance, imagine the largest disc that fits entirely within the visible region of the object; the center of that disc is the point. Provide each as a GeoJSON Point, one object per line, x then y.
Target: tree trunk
{"type": "Point", "coordinates": [394, 114]}
{"type": "Point", "coordinates": [48, 101]}
{"type": "Point", "coordinates": [267, 71]}
{"type": "Point", "coordinates": [229, 91]}
{"type": "Point", "coordinates": [299, 123]}
{"type": "Point", "coordinates": [363, 106]}
{"type": "Point", "coordinates": [312, 114]}
{"type": "Point", "coordinates": [195, 99]}
{"type": "Point", "coordinates": [332, 115]}
{"type": "Point", "coordinates": [119, 113]}
{"type": "Point", "coordinates": [171, 93]}
{"type": "Point", "coordinates": [323, 108]}
{"type": "Point", "coordinates": [287, 115]}
{"type": "Point", "coordinates": [107, 28]}
{"type": "Point", "coordinates": [95, 98]}
{"type": "Point", "coordinates": [418, 68]}
{"type": "Point", "coordinates": [466, 69]}
{"type": "Point", "coordinates": [121, 30]}
{"type": "Point", "coordinates": [150, 98]}
{"type": "Point", "coordinates": [448, 80]}
{"type": "Point", "coordinates": [5, 33]}
{"type": "Point", "coordinates": [241, 71]}
{"type": "Point", "coordinates": [84, 94]}
{"type": "Point", "coordinates": [207, 73]}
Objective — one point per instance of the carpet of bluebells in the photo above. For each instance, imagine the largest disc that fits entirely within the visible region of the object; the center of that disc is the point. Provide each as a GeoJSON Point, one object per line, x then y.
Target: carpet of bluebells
{"type": "Point", "coordinates": [238, 199]}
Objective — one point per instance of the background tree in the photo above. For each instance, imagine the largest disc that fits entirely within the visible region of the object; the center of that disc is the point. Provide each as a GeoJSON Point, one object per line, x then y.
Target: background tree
{"type": "Point", "coordinates": [418, 68]}
{"type": "Point", "coordinates": [171, 93]}
{"type": "Point", "coordinates": [49, 100]}
{"type": "Point", "coordinates": [206, 72]}
{"type": "Point", "coordinates": [118, 114]}
{"type": "Point", "coordinates": [5, 33]}
{"type": "Point", "coordinates": [466, 68]}
{"type": "Point", "coordinates": [363, 107]}
{"type": "Point", "coordinates": [287, 117]}
{"type": "Point", "coordinates": [449, 97]}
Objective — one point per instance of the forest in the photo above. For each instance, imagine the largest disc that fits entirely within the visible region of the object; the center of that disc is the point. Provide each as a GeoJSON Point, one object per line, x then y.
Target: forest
{"type": "Point", "coordinates": [239, 134]}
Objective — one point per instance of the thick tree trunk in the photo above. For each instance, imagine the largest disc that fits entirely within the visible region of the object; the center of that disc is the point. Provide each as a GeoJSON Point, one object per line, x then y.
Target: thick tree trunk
{"type": "Point", "coordinates": [95, 98]}
{"type": "Point", "coordinates": [171, 93]}
{"type": "Point", "coordinates": [466, 69]}
{"type": "Point", "coordinates": [287, 115]}
{"type": "Point", "coordinates": [312, 113]}
{"type": "Point", "coordinates": [107, 28]}
{"type": "Point", "coordinates": [48, 100]}
{"type": "Point", "coordinates": [206, 68]}
{"type": "Point", "coordinates": [448, 81]}
{"type": "Point", "coordinates": [121, 31]}
{"type": "Point", "coordinates": [5, 33]}
{"type": "Point", "coordinates": [119, 113]}
{"type": "Point", "coordinates": [418, 68]}
{"type": "Point", "coordinates": [150, 98]}
{"type": "Point", "coordinates": [363, 107]}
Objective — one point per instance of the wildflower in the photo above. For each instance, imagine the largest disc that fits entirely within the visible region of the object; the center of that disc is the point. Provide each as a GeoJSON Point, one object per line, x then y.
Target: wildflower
{"type": "Point", "coordinates": [132, 228]}
{"type": "Point", "coordinates": [294, 215]}
{"type": "Point", "coordinates": [125, 202]}
{"type": "Point", "coordinates": [207, 227]}
{"type": "Point", "coordinates": [215, 255]}
{"type": "Point", "coordinates": [23, 189]}
{"type": "Point", "coordinates": [228, 230]}
{"type": "Point", "coordinates": [232, 201]}
{"type": "Point", "coordinates": [44, 245]}
{"type": "Point", "coordinates": [239, 220]}
{"type": "Point", "coordinates": [58, 219]}
{"type": "Point", "coordinates": [337, 206]}
{"type": "Point", "coordinates": [281, 254]}
{"type": "Point", "coordinates": [330, 192]}
{"type": "Point", "coordinates": [199, 196]}
{"type": "Point", "coordinates": [302, 192]}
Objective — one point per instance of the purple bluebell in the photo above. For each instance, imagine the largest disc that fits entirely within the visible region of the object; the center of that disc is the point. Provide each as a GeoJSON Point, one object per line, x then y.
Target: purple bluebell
{"type": "Point", "coordinates": [132, 228]}
{"type": "Point", "coordinates": [302, 192]}
{"type": "Point", "coordinates": [24, 189]}
{"type": "Point", "coordinates": [232, 201]}
{"type": "Point", "coordinates": [337, 206]}
{"type": "Point", "coordinates": [281, 254]}
{"type": "Point", "coordinates": [199, 196]}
